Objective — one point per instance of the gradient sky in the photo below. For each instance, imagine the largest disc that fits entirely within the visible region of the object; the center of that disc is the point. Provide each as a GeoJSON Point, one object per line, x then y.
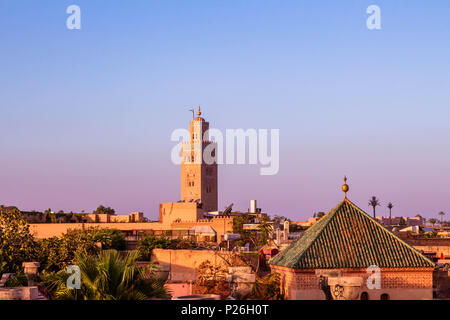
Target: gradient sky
{"type": "Point", "coordinates": [87, 114]}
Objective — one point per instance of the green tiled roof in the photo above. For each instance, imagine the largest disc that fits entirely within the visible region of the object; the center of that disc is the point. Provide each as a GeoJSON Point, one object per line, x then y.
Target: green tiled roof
{"type": "Point", "coordinates": [347, 237]}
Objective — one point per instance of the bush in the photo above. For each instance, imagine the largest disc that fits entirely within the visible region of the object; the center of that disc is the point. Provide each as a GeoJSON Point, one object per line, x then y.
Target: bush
{"type": "Point", "coordinates": [57, 253]}
{"type": "Point", "coordinates": [110, 239]}
{"type": "Point", "coordinates": [150, 242]}
{"type": "Point", "coordinates": [107, 276]}
{"type": "Point", "coordinates": [267, 288]}
{"type": "Point", "coordinates": [20, 280]}
{"type": "Point", "coordinates": [17, 244]}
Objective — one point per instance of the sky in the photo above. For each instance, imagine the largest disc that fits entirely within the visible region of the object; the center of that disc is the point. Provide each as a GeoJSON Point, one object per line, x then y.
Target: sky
{"type": "Point", "coordinates": [87, 114]}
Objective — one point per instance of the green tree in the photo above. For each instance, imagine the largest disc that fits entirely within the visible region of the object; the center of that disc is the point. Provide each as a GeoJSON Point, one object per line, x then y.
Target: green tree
{"type": "Point", "coordinates": [109, 238]}
{"type": "Point", "coordinates": [432, 221]}
{"type": "Point", "coordinates": [258, 236]}
{"type": "Point", "coordinates": [374, 202]}
{"type": "Point", "coordinates": [149, 242]}
{"type": "Point", "coordinates": [320, 215]}
{"type": "Point", "coordinates": [279, 219]}
{"type": "Point", "coordinates": [265, 228]}
{"type": "Point", "coordinates": [108, 276]}
{"type": "Point", "coordinates": [104, 210]}
{"type": "Point", "coordinates": [238, 228]}
{"type": "Point", "coordinates": [267, 288]}
{"type": "Point", "coordinates": [17, 244]}
{"type": "Point", "coordinates": [57, 253]}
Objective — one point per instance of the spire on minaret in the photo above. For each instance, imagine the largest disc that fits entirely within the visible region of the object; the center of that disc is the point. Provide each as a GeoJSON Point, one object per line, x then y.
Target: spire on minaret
{"type": "Point", "coordinates": [199, 113]}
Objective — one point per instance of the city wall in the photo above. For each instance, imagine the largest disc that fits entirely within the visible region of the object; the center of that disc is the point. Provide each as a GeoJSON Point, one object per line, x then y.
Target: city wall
{"type": "Point", "coordinates": [440, 246]}
{"type": "Point", "coordinates": [48, 230]}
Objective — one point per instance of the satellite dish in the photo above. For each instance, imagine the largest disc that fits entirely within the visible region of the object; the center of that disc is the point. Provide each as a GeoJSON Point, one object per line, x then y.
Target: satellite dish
{"type": "Point", "coordinates": [228, 209]}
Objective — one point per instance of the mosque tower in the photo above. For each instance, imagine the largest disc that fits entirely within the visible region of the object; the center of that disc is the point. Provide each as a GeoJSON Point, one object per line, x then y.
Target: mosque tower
{"type": "Point", "coordinates": [199, 177]}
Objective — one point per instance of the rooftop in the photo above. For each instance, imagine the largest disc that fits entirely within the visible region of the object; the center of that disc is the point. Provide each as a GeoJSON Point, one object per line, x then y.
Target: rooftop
{"type": "Point", "coordinates": [347, 237]}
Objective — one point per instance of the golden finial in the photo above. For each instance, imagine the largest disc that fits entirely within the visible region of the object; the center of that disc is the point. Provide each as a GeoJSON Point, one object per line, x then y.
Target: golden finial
{"type": "Point", "coordinates": [199, 112]}
{"type": "Point", "coordinates": [345, 187]}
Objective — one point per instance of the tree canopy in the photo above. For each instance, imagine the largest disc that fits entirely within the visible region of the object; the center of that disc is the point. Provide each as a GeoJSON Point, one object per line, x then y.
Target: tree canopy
{"type": "Point", "coordinates": [104, 210]}
{"type": "Point", "coordinates": [17, 244]}
{"type": "Point", "coordinates": [108, 276]}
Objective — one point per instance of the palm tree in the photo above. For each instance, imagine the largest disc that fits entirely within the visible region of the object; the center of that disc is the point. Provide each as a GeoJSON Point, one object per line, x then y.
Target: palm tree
{"type": "Point", "coordinates": [108, 276]}
{"type": "Point", "coordinates": [390, 206]}
{"type": "Point", "coordinates": [265, 229]}
{"type": "Point", "coordinates": [442, 214]}
{"type": "Point", "coordinates": [432, 221]}
{"type": "Point", "coordinates": [263, 236]}
{"type": "Point", "coordinates": [374, 202]}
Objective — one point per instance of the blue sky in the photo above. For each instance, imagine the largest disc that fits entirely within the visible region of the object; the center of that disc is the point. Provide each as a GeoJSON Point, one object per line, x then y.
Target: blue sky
{"type": "Point", "coordinates": [87, 114]}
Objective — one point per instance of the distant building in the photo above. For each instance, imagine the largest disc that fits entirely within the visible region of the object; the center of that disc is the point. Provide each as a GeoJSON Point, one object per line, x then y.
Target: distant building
{"type": "Point", "coordinates": [199, 183]}
{"type": "Point", "coordinates": [306, 223]}
{"type": "Point", "coordinates": [413, 229]}
{"type": "Point", "coordinates": [407, 221]}
{"type": "Point", "coordinates": [62, 217]}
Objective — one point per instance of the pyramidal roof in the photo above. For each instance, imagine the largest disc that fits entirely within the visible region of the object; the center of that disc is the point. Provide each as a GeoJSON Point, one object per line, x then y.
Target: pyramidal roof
{"type": "Point", "coordinates": [347, 237]}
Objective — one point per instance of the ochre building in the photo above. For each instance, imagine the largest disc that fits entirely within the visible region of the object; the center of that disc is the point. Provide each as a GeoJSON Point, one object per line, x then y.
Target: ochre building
{"type": "Point", "coordinates": [349, 241]}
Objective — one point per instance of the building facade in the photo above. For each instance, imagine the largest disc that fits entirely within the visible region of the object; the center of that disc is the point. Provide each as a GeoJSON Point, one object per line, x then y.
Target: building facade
{"type": "Point", "coordinates": [407, 221]}
{"type": "Point", "coordinates": [349, 242]}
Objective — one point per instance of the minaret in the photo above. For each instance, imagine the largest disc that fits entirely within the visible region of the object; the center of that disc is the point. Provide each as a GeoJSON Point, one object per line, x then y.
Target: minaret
{"type": "Point", "coordinates": [198, 179]}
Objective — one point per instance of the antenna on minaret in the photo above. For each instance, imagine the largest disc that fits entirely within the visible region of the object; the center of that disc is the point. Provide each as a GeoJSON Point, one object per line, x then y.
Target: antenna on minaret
{"type": "Point", "coordinates": [193, 113]}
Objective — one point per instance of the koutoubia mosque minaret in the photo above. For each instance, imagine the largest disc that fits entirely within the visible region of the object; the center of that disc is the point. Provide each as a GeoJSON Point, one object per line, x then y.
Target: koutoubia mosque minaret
{"type": "Point", "coordinates": [199, 178]}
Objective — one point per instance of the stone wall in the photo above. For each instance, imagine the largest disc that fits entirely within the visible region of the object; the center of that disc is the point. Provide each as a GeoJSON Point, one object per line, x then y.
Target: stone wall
{"type": "Point", "coordinates": [170, 212]}
{"type": "Point", "coordinates": [441, 279]}
{"type": "Point", "coordinates": [440, 246]}
{"type": "Point", "coordinates": [19, 293]}
{"type": "Point", "coordinates": [183, 263]}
